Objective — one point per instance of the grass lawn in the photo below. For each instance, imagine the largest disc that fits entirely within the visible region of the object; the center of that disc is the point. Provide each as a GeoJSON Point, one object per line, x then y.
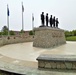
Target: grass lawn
{"type": "Point", "coordinates": [71, 38]}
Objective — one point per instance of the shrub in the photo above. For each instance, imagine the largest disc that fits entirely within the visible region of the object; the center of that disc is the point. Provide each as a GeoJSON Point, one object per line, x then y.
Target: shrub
{"type": "Point", "coordinates": [31, 33]}
{"type": "Point", "coordinates": [12, 32]}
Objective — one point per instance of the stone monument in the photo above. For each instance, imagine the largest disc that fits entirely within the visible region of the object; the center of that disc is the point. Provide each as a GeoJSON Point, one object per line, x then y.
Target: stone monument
{"type": "Point", "coordinates": [47, 37]}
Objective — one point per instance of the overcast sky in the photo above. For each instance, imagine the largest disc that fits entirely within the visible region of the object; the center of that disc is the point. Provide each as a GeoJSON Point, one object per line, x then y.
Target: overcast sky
{"type": "Point", "coordinates": [65, 10]}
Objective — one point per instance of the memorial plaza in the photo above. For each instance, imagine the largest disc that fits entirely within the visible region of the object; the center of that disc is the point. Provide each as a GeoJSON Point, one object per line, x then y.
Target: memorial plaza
{"type": "Point", "coordinates": [21, 58]}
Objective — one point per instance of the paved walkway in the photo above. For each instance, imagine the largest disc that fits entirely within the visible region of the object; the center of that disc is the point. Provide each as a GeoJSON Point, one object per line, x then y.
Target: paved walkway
{"type": "Point", "coordinates": [21, 58]}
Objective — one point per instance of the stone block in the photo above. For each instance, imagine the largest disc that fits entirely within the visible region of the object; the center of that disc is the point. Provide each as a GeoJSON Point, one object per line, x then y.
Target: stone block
{"type": "Point", "coordinates": [68, 65]}
{"type": "Point", "coordinates": [47, 65]}
{"type": "Point", "coordinates": [58, 65]}
{"type": "Point", "coordinates": [63, 66]}
{"type": "Point", "coordinates": [74, 65]}
{"type": "Point", "coordinates": [53, 65]}
{"type": "Point", "coordinates": [41, 64]}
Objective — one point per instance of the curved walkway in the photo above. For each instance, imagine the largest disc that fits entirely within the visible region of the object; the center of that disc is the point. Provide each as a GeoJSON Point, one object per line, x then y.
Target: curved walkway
{"type": "Point", "coordinates": [21, 58]}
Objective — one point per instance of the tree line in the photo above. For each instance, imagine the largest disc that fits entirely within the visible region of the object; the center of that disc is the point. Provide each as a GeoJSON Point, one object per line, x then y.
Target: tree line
{"type": "Point", "coordinates": [70, 33]}
{"type": "Point", "coordinates": [4, 31]}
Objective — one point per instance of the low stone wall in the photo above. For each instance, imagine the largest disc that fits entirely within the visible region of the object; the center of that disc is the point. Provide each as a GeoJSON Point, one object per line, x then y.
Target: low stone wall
{"type": "Point", "coordinates": [47, 37]}
{"type": "Point", "coordinates": [57, 62]}
{"type": "Point", "coordinates": [15, 39]}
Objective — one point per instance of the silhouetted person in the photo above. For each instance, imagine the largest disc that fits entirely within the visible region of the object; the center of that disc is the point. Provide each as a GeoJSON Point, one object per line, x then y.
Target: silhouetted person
{"type": "Point", "coordinates": [57, 22]}
{"type": "Point", "coordinates": [54, 21]}
{"type": "Point", "coordinates": [42, 18]}
{"type": "Point", "coordinates": [47, 19]}
{"type": "Point", "coordinates": [51, 21]}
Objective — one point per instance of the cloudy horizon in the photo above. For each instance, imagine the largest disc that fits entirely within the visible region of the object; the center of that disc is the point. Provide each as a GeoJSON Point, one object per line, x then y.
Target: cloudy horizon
{"type": "Point", "coordinates": [64, 10]}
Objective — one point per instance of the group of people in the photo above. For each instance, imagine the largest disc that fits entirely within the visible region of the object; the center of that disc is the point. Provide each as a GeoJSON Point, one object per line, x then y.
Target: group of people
{"type": "Point", "coordinates": [53, 21]}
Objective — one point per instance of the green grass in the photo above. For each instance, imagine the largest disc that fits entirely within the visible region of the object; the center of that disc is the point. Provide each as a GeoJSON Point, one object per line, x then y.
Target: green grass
{"type": "Point", "coordinates": [71, 38]}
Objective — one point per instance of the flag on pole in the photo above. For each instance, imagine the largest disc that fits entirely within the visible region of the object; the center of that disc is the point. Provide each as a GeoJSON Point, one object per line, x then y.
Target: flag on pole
{"type": "Point", "coordinates": [22, 7]}
{"type": "Point", "coordinates": [8, 10]}
{"type": "Point", "coordinates": [32, 21]}
{"type": "Point", "coordinates": [22, 17]}
{"type": "Point", "coordinates": [8, 18]}
{"type": "Point", "coordinates": [32, 17]}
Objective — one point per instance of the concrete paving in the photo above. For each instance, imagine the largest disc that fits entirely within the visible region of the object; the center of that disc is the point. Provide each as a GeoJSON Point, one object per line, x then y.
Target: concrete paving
{"type": "Point", "coordinates": [21, 58]}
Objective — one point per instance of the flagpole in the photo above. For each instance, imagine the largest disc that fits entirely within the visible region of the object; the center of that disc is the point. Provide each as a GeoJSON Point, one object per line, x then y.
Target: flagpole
{"type": "Point", "coordinates": [8, 18]}
{"type": "Point", "coordinates": [33, 24]}
{"type": "Point", "coordinates": [22, 18]}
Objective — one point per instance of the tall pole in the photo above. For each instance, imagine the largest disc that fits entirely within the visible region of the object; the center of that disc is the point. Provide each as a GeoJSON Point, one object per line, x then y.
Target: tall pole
{"type": "Point", "coordinates": [22, 17]}
{"type": "Point", "coordinates": [8, 19]}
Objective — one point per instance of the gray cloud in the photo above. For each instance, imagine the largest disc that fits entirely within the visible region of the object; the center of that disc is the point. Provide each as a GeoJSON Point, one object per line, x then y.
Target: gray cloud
{"type": "Point", "coordinates": [63, 9]}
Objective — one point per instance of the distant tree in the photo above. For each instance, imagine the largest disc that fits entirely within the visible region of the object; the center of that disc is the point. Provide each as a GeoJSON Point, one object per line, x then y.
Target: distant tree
{"type": "Point", "coordinates": [21, 31]}
{"type": "Point", "coordinates": [12, 32]}
{"type": "Point", "coordinates": [4, 30]}
{"type": "Point", "coordinates": [70, 33]}
{"type": "Point", "coordinates": [31, 32]}
{"type": "Point", "coordinates": [74, 32]}
{"type": "Point", "coordinates": [5, 33]}
{"type": "Point", "coordinates": [67, 33]}
{"type": "Point", "coordinates": [0, 33]}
